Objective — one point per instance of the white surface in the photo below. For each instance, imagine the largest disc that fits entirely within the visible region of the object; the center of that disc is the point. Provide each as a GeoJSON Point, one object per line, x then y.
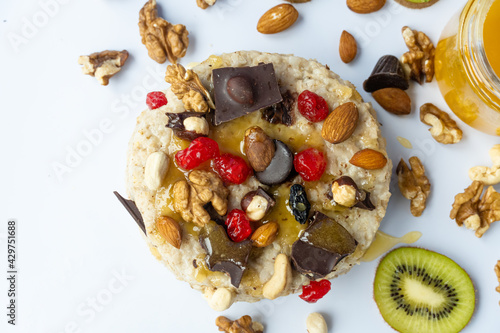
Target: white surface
{"type": "Point", "coordinates": [74, 236]}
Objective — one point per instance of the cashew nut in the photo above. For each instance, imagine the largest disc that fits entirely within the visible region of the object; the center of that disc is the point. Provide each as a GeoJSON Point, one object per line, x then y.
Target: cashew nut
{"type": "Point", "coordinates": [280, 279]}
{"type": "Point", "coordinates": [315, 323]}
{"type": "Point", "coordinates": [488, 176]}
{"type": "Point", "coordinates": [155, 170]}
{"type": "Point", "coordinates": [220, 299]}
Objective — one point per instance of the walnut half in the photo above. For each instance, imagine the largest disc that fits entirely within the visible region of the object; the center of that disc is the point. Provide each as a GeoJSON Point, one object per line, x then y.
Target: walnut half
{"type": "Point", "coordinates": [413, 184]}
{"type": "Point", "coordinates": [420, 56]}
{"type": "Point", "coordinates": [497, 272]}
{"type": "Point", "coordinates": [242, 325]}
{"type": "Point", "coordinates": [488, 176]}
{"type": "Point", "coordinates": [204, 4]}
{"type": "Point", "coordinates": [443, 128]}
{"type": "Point", "coordinates": [103, 65]}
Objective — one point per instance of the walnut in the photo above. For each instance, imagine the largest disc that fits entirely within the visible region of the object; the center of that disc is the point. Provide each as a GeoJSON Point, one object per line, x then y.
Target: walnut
{"type": "Point", "coordinates": [444, 129]}
{"type": "Point", "coordinates": [162, 39]}
{"type": "Point", "coordinates": [420, 57]}
{"type": "Point", "coordinates": [475, 213]}
{"type": "Point", "coordinates": [488, 176]}
{"type": "Point", "coordinates": [204, 4]}
{"type": "Point", "coordinates": [413, 184]}
{"type": "Point", "coordinates": [497, 272]}
{"type": "Point", "coordinates": [242, 325]}
{"type": "Point", "coordinates": [103, 65]}
{"type": "Point", "coordinates": [190, 196]}
{"type": "Point", "coordinates": [186, 85]}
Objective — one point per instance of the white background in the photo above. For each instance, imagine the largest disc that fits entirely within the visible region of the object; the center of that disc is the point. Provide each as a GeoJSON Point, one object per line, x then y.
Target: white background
{"type": "Point", "coordinates": [74, 236]}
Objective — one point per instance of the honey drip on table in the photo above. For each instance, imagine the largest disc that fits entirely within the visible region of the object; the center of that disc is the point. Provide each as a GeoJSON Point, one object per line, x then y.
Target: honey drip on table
{"type": "Point", "coordinates": [384, 242]}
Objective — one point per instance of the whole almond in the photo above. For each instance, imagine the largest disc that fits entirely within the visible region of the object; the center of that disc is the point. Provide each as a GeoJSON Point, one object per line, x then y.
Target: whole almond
{"type": "Point", "coordinates": [277, 19]}
{"type": "Point", "coordinates": [393, 100]}
{"type": "Point", "coordinates": [365, 6]}
{"type": "Point", "coordinates": [259, 148]}
{"type": "Point", "coordinates": [369, 159]}
{"type": "Point", "coordinates": [341, 123]}
{"type": "Point", "coordinates": [170, 230]}
{"type": "Point", "coordinates": [348, 48]}
{"type": "Point", "coordinates": [265, 234]}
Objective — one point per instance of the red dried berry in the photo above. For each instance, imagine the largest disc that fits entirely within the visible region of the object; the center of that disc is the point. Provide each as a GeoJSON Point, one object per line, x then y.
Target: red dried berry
{"type": "Point", "coordinates": [315, 290]}
{"type": "Point", "coordinates": [312, 106]}
{"type": "Point", "coordinates": [232, 169]}
{"type": "Point", "coordinates": [200, 150]}
{"type": "Point", "coordinates": [156, 99]}
{"type": "Point", "coordinates": [238, 225]}
{"type": "Point", "coordinates": [310, 164]}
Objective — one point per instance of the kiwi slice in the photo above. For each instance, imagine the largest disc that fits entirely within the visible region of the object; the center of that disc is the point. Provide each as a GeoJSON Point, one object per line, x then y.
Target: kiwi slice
{"type": "Point", "coordinates": [419, 291]}
{"type": "Point", "coordinates": [417, 4]}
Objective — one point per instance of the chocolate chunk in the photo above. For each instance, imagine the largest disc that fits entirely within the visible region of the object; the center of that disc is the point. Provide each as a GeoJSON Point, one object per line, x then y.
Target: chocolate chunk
{"type": "Point", "coordinates": [365, 203]}
{"type": "Point", "coordinates": [280, 167]}
{"type": "Point", "coordinates": [299, 204]}
{"type": "Point", "coordinates": [132, 210]}
{"type": "Point", "coordinates": [233, 87]}
{"type": "Point", "coordinates": [388, 73]}
{"type": "Point", "coordinates": [176, 123]}
{"type": "Point", "coordinates": [322, 245]}
{"type": "Point", "coordinates": [223, 255]}
{"type": "Point", "coordinates": [214, 216]}
{"type": "Point", "coordinates": [281, 113]}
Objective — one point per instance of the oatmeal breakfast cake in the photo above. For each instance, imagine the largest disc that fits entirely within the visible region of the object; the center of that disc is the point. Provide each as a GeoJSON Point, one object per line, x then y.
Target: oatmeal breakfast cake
{"type": "Point", "coordinates": [256, 173]}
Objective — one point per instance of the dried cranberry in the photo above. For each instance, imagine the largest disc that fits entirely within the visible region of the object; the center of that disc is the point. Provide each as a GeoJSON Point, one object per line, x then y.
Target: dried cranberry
{"type": "Point", "coordinates": [156, 99]}
{"type": "Point", "coordinates": [310, 164]}
{"type": "Point", "coordinates": [200, 150]}
{"type": "Point", "coordinates": [232, 169]}
{"type": "Point", "coordinates": [312, 106]}
{"type": "Point", "coordinates": [315, 290]}
{"type": "Point", "coordinates": [238, 225]}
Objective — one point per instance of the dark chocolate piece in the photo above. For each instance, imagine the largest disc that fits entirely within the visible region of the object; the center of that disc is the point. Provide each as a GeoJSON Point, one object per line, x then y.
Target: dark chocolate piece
{"type": "Point", "coordinates": [280, 167]}
{"type": "Point", "coordinates": [388, 73]}
{"type": "Point", "coordinates": [366, 203]}
{"type": "Point", "coordinates": [223, 255]}
{"type": "Point", "coordinates": [214, 216]}
{"type": "Point", "coordinates": [321, 246]}
{"type": "Point", "coordinates": [176, 123]}
{"type": "Point", "coordinates": [231, 103]}
{"type": "Point", "coordinates": [281, 113]}
{"type": "Point", "coordinates": [132, 210]}
{"type": "Point", "coordinates": [299, 204]}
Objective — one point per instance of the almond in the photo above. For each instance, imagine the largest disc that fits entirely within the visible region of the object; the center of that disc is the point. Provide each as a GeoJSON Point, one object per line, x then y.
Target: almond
{"type": "Point", "coordinates": [393, 100]}
{"type": "Point", "coordinates": [348, 48]}
{"type": "Point", "coordinates": [259, 148]}
{"type": "Point", "coordinates": [277, 19]}
{"type": "Point", "coordinates": [265, 234]}
{"type": "Point", "coordinates": [365, 6]}
{"type": "Point", "coordinates": [369, 159]}
{"type": "Point", "coordinates": [341, 123]}
{"type": "Point", "coordinates": [170, 230]}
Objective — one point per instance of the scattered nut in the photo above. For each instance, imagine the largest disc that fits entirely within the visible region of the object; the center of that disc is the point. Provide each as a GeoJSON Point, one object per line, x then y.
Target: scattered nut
{"type": "Point", "coordinates": [315, 323]}
{"type": "Point", "coordinates": [220, 299]}
{"type": "Point", "coordinates": [257, 204]}
{"type": "Point", "coordinates": [204, 4]}
{"type": "Point", "coordinates": [259, 148]}
{"type": "Point", "coordinates": [242, 325]}
{"type": "Point", "coordinates": [497, 272]}
{"type": "Point", "coordinates": [103, 65]}
{"type": "Point", "coordinates": [203, 187]}
{"type": "Point", "coordinates": [348, 48]}
{"type": "Point", "coordinates": [488, 176]}
{"type": "Point", "coordinates": [421, 54]}
{"type": "Point", "coordinates": [280, 279]}
{"type": "Point", "coordinates": [170, 230]}
{"type": "Point", "coordinates": [444, 129]}
{"type": "Point", "coordinates": [369, 159]}
{"type": "Point", "coordinates": [265, 234]}
{"type": "Point", "coordinates": [340, 123]}
{"type": "Point", "coordinates": [413, 184]}
{"type": "Point", "coordinates": [155, 170]}
{"type": "Point", "coordinates": [365, 6]}
{"type": "Point", "coordinates": [186, 85]}
{"type": "Point", "coordinates": [162, 39]}
{"type": "Point", "coordinates": [277, 19]}
{"type": "Point", "coordinates": [394, 100]}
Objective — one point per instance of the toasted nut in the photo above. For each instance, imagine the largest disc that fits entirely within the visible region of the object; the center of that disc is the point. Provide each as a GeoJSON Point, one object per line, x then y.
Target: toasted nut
{"type": "Point", "coordinates": [444, 129]}
{"type": "Point", "coordinates": [265, 234]}
{"type": "Point", "coordinates": [420, 56]}
{"type": "Point", "coordinates": [103, 65]}
{"type": "Point", "coordinates": [277, 19]}
{"type": "Point", "coordinates": [220, 299]}
{"type": "Point", "coordinates": [155, 170]}
{"type": "Point", "coordinates": [341, 123]}
{"type": "Point", "coordinates": [394, 100]}
{"type": "Point", "coordinates": [204, 4]}
{"type": "Point", "coordinates": [414, 184]}
{"type": "Point", "coordinates": [198, 125]}
{"type": "Point", "coordinates": [257, 208]}
{"type": "Point", "coordinates": [497, 272]}
{"type": "Point", "coordinates": [315, 323]}
{"type": "Point", "coordinates": [369, 159]}
{"type": "Point", "coordinates": [280, 279]}
{"type": "Point", "coordinates": [348, 48]}
{"type": "Point", "coordinates": [345, 192]}
{"type": "Point", "coordinates": [488, 176]}
{"type": "Point", "coordinates": [242, 325]}
{"type": "Point", "coordinates": [170, 230]}
{"type": "Point", "coordinates": [259, 148]}
{"type": "Point", "coordinates": [365, 6]}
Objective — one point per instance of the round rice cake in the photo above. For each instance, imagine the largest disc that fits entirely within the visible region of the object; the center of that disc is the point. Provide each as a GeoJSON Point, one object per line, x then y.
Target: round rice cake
{"type": "Point", "coordinates": [294, 75]}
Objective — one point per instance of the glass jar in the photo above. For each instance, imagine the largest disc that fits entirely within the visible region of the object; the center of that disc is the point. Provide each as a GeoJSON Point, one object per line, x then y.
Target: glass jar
{"type": "Point", "coordinates": [465, 77]}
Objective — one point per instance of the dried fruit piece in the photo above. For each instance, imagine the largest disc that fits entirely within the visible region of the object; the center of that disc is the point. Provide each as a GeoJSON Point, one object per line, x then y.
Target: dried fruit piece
{"type": "Point", "coordinates": [444, 129]}
{"type": "Point", "coordinates": [280, 167]}
{"type": "Point", "coordinates": [312, 106]}
{"type": "Point", "coordinates": [394, 100]}
{"type": "Point", "coordinates": [348, 48]}
{"type": "Point", "coordinates": [199, 150]}
{"type": "Point", "coordinates": [170, 230]}
{"type": "Point", "coordinates": [238, 225]}
{"type": "Point", "coordinates": [365, 6]}
{"type": "Point", "coordinates": [414, 184]}
{"type": "Point", "coordinates": [259, 148]}
{"type": "Point", "coordinates": [257, 204]}
{"type": "Point", "coordinates": [387, 73]}
{"type": "Point", "coordinates": [341, 123]}
{"type": "Point", "coordinates": [103, 65]}
{"type": "Point", "coordinates": [156, 99]}
{"type": "Point", "coordinates": [310, 164]}
{"type": "Point", "coordinates": [231, 168]}
{"type": "Point", "coordinates": [277, 19]}
{"type": "Point", "coordinates": [299, 204]}
{"type": "Point", "coordinates": [265, 234]}
{"type": "Point", "coordinates": [369, 159]}
{"type": "Point", "coordinates": [281, 113]}
{"type": "Point", "coordinates": [315, 290]}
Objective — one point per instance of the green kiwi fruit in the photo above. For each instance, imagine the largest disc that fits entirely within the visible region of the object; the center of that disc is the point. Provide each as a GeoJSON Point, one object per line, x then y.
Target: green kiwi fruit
{"type": "Point", "coordinates": [421, 291]}
{"type": "Point", "coordinates": [417, 4]}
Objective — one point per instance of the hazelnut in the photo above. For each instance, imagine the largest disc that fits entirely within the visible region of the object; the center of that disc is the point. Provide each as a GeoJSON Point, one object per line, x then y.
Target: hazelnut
{"type": "Point", "coordinates": [198, 125]}
{"type": "Point", "coordinates": [345, 192]}
{"type": "Point", "coordinates": [259, 148]}
{"type": "Point", "coordinates": [257, 204]}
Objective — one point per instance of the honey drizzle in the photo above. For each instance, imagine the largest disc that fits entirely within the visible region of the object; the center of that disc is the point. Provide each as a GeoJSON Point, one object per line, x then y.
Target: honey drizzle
{"type": "Point", "coordinates": [384, 242]}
